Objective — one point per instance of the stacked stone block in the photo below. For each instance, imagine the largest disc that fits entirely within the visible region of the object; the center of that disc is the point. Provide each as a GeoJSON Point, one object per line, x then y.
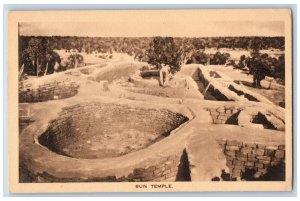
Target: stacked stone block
{"type": "Point", "coordinates": [221, 115]}
{"type": "Point", "coordinates": [164, 170]}
{"type": "Point", "coordinates": [48, 91]}
{"type": "Point", "coordinates": [258, 157]}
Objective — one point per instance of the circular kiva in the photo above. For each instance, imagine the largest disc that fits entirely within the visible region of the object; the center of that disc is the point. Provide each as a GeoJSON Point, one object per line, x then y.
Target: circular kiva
{"type": "Point", "coordinates": [105, 141]}
{"type": "Point", "coordinates": [104, 130]}
{"type": "Point", "coordinates": [50, 87]}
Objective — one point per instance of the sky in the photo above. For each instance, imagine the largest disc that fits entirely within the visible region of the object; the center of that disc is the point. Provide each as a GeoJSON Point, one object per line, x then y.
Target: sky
{"type": "Point", "coordinates": [149, 27]}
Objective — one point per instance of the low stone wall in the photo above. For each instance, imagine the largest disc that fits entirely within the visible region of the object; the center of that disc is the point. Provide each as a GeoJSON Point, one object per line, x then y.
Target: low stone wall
{"type": "Point", "coordinates": [224, 114]}
{"type": "Point", "coordinates": [47, 91]}
{"type": "Point", "coordinates": [166, 169]}
{"type": "Point", "coordinates": [246, 116]}
{"type": "Point", "coordinates": [101, 130]}
{"type": "Point", "coordinates": [252, 161]}
{"type": "Point", "coordinates": [223, 88]}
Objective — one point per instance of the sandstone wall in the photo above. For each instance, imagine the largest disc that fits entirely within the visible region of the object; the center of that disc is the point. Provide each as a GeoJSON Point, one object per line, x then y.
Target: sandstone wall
{"type": "Point", "coordinates": [164, 169]}
{"type": "Point", "coordinates": [98, 130]}
{"type": "Point", "coordinates": [249, 117]}
{"type": "Point", "coordinates": [50, 90]}
{"type": "Point", "coordinates": [258, 158]}
{"type": "Point", "coordinates": [224, 114]}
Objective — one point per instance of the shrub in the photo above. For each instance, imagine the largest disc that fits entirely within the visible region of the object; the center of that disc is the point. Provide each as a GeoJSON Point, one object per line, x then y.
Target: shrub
{"type": "Point", "coordinates": [198, 57]}
{"type": "Point", "coordinates": [74, 60]}
{"type": "Point", "coordinates": [219, 58]}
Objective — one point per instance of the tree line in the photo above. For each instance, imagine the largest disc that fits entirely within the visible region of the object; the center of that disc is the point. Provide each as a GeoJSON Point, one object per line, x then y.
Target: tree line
{"type": "Point", "coordinates": [39, 58]}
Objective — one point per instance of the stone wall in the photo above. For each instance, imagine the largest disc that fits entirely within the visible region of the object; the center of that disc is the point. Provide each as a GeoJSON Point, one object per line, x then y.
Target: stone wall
{"type": "Point", "coordinates": [224, 114]}
{"type": "Point", "coordinates": [246, 117]}
{"type": "Point", "coordinates": [47, 91]}
{"type": "Point", "coordinates": [165, 169]}
{"type": "Point", "coordinates": [100, 130]}
{"type": "Point", "coordinates": [252, 161]}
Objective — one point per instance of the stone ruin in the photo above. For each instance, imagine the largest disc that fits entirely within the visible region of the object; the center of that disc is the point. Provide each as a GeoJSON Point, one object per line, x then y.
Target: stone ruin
{"type": "Point", "coordinates": [109, 124]}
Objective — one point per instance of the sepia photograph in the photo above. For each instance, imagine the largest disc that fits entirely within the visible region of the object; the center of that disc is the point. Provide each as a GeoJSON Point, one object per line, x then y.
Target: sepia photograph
{"type": "Point", "coordinates": [150, 100]}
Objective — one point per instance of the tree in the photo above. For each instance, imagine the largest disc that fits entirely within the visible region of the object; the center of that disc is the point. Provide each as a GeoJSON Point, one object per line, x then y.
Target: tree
{"type": "Point", "coordinates": [51, 59]}
{"type": "Point", "coordinates": [259, 67]}
{"type": "Point", "coordinates": [75, 59]}
{"type": "Point", "coordinates": [163, 50]}
{"type": "Point", "coordinates": [38, 58]}
{"type": "Point", "coordinates": [33, 55]}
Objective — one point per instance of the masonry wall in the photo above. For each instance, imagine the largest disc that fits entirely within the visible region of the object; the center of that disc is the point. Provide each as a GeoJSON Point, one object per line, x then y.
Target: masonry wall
{"type": "Point", "coordinates": [251, 158]}
{"type": "Point", "coordinates": [98, 130]}
{"type": "Point", "coordinates": [224, 114]}
{"type": "Point", "coordinates": [47, 91]}
{"type": "Point", "coordinates": [165, 169]}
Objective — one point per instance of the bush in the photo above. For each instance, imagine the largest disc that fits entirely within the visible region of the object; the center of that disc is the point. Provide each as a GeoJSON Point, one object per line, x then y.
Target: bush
{"type": "Point", "coordinates": [74, 60]}
{"type": "Point", "coordinates": [198, 57]}
{"type": "Point", "coordinates": [219, 58]}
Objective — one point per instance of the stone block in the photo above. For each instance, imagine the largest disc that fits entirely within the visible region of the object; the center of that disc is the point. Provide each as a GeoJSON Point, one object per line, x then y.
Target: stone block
{"type": "Point", "coordinates": [217, 121]}
{"type": "Point", "coordinates": [281, 147]}
{"type": "Point", "coordinates": [246, 150]}
{"type": "Point", "coordinates": [257, 175]}
{"type": "Point", "coordinates": [214, 113]}
{"type": "Point", "coordinates": [272, 147]}
{"type": "Point", "coordinates": [259, 165]}
{"type": "Point", "coordinates": [221, 109]}
{"type": "Point", "coordinates": [228, 111]}
{"type": "Point", "coordinates": [269, 152]}
{"type": "Point", "coordinates": [267, 158]}
{"type": "Point", "coordinates": [230, 153]}
{"type": "Point", "coordinates": [265, 162]}
{"type": "Point", "coordinates": [230, 157]}
{"type": "Point", "coordinates": [262, 170]}
{"type": "Point", "coordinates": [249, 164]}
{"type": "Point", "coordinates": [258, 152]}
{"type": "Point", "coordinates": [238, 163]}
{"type": "Point", "coordinates": [232, 147]}
{"type": "Point", "coordinates": [229, 163]}
{"type": "Point", "coordinates": [240, 154]}
{"type": "Point", "coordinates": [251, 159]}
{"type": "Point", "coordinates": [233, 143]}
{"type": "Point", "coordinates": [279, 153]}
{"type": "Point", "coordinates": [261, 146]}
{"type": "Point", "coordinates": [244, 159]}
{"type": "Point", "coordinates": [236, 173]}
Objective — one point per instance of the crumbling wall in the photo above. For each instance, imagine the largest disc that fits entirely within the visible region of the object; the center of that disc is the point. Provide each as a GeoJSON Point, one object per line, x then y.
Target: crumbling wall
{"type": "Point", "coordinates": [252, 161]}
{"type": "Point", "coordinates": [50, 90]}
{"type": "Point", "coordinates": [164, 169]}
{"type": "Point", "coordinates": [224, 114]}
{"type": "Point", "coordinates": [246, 117]}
